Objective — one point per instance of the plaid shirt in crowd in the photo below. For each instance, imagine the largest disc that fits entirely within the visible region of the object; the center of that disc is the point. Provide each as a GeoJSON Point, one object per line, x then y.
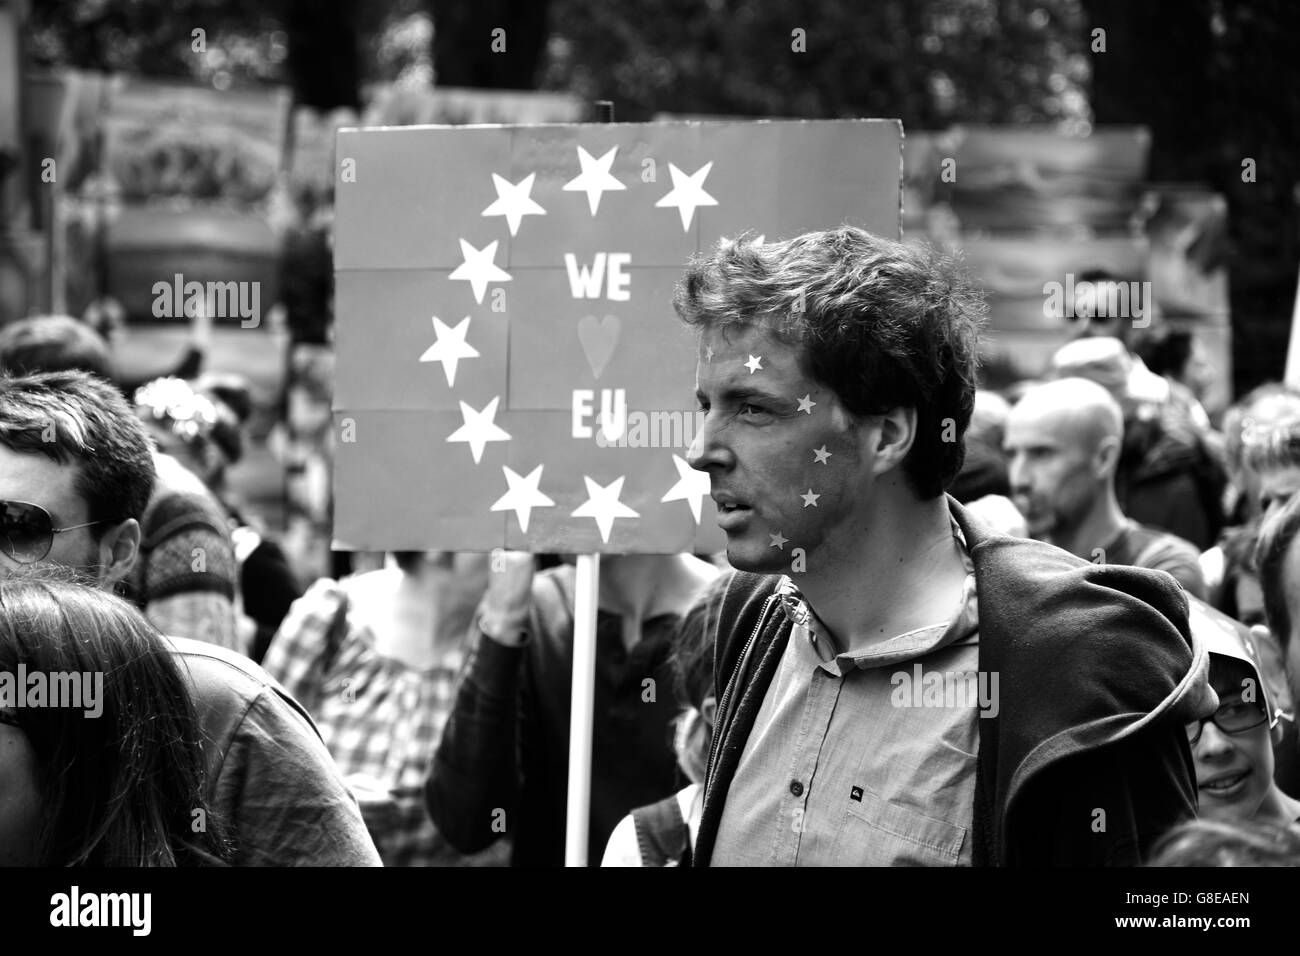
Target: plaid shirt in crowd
{"type": "Point", "coordinates": [380, 718]}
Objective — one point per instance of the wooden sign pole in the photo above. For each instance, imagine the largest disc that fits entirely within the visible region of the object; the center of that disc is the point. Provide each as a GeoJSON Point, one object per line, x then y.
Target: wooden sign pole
{"type": "Point", "coordinates": [582, 710]}
{"type": "Point", "coordinates": [583, 697]}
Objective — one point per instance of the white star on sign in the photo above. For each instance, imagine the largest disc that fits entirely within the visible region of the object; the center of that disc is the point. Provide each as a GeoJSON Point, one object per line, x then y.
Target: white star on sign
{"type": "Point", "coordinates": [778, 541]}
{"type": "Point", "coordinates": [806, 404]}
{"type": "Point", "coordinates": [513, 201]}
{"type": "Point", "coordinates": [810, 499]}
{"type": "Point", "coordinates": [479, 428]}
{"type": "Point", "coordinates": [688, 193]}
{"type": "Point", "coordinates": [692, 485]}
{"type": "Point", "coordinates": [595, 177]}
{"type": "Point", "coordinates": [603, 505]}
{"type": "Point", "coordinates": [754, 364]}
{"type": "Point", "coordinates": [523, 495]}
{"type": "Point", "coordinates": [450, 348]}
{"type": "Point", "coordinates": [478, 269]}
{"type": "Point", "coordinates": [820, 455]}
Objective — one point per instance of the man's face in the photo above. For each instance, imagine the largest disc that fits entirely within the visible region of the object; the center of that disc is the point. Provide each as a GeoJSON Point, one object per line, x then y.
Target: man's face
{"type": "Point", "coordinates": [45, 482]}
{"type": "Point", "coordinates": [782, 477]}
{"type": "Point", "coordinates": [1234, 772]}
{"type": "Point", "coordinates": [1050, 470]}
{"type": "Point", "coordinates": [1276, 486]}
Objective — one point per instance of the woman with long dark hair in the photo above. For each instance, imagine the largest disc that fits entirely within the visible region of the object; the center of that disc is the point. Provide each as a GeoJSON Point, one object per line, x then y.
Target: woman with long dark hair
{"type": "Point", "coordinates": [100, 756]}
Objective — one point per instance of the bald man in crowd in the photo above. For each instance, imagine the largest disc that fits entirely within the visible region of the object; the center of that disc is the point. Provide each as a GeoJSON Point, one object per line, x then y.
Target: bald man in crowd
{"type": "Point", "coordinates": [1063, 442]}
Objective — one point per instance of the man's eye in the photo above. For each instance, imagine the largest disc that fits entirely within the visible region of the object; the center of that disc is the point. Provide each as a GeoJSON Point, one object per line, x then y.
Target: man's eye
{"type": "Point", "coordinates": [748, 409]}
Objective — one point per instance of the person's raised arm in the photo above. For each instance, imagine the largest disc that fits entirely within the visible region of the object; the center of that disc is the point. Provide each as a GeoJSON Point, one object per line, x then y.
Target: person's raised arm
{"type": "Point", "coordinates": [473, 785]}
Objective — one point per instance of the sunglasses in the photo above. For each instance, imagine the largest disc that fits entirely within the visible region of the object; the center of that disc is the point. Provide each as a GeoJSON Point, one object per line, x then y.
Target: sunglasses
{"type": "Point", "coordinates": [27, 531]}
{"type": "Point", "coordinates": [1234, 717]}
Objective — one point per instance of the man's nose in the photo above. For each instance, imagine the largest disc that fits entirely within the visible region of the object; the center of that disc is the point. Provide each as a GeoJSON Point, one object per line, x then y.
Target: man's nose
{"type": "Point", "coordinates": [1017, 475]}
{"type": "Point", "coordinates": [707, 450]}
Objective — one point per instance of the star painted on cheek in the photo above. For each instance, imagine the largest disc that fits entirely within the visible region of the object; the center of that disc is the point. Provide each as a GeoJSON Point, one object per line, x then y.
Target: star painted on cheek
{"type": "Point", "coordinates": [754, 364]}
{"type": "Point", "coordinates": [806, 404]}
{"type": "Point", "coordinates": [810, 499]}
{"type": "Point", "coordinates": [820, 455]}
{"type": "Point", "coordinates": [778, 541]}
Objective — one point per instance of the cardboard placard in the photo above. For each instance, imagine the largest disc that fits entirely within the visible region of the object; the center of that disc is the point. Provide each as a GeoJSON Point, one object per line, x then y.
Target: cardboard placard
{"type": "Point", "coordinates": [510, 369]}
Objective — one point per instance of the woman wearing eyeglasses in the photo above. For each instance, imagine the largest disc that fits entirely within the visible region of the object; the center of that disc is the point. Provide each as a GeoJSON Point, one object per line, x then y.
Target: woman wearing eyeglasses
{"type": "Point", "coordinates": [100, 763]}
{"type": "Point", "coordinates": [1233, 748]}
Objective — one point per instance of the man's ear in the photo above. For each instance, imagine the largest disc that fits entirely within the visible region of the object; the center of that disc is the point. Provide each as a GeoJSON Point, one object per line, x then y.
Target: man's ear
{"type": "Point", "coordinates": [1107, 456]}
{"type": "Point", "coordinates": [896, 432]}
{"type": "Point", "coordinates": [119, 547]}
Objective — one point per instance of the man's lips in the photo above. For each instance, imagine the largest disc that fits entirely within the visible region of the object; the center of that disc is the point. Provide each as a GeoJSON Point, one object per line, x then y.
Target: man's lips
{"type": "Point", "coordinates": [731, 510]}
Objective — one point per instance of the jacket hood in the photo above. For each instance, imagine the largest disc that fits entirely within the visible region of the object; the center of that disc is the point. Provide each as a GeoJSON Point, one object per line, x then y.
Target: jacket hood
{"type": "Point", "coordinates": [1088, 654]}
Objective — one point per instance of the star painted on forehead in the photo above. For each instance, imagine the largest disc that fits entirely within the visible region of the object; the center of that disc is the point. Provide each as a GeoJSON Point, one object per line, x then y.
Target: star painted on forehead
{"type": "Point", "coordinates": [810, 499]}
{"type": "Point", "coordinates": [450, 348]}
{"type": "Point", "coordinates": [806, 404]}
{"type": "Point", "coordinates": [820, 455]}
{"type": "Point", "coordinates": [692, 485]}
{"type": "Point", "coordinates": [513, 201]}
{"type": "Point", "coordinates": [687, 193]}
{"type": "Point", "coordinates": [778, 541]}
{"type": "Point", "coordinates": [479, 269]}
{"type": "Point", "coordinates": [754, 364]}
{"type": "Point", "coordinates": [708, 353]}
{"type": "Point", "coordinates": [595, 178]}
{"type": "Point", "coordinates": [603, 505]}
{"type": "Point", "coordinates": [523, 496]}
{"type": "Point", "coordinates": [479, 428]}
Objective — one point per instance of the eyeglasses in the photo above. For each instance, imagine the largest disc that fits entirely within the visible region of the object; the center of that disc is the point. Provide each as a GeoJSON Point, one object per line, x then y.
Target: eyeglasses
{"type": "Point", "coordinates": [27, 531]}
{"type": "Point", "coordinates": [1234, 717]}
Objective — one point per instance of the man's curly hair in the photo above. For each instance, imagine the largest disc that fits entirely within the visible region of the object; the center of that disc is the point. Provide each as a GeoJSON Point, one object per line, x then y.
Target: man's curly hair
{"type": "Point", "coordinates": [882, 323]}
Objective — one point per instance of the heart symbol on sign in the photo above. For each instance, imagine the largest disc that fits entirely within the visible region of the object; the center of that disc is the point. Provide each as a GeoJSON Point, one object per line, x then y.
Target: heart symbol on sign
{"type": "Point", "coordinates": [598, 338]}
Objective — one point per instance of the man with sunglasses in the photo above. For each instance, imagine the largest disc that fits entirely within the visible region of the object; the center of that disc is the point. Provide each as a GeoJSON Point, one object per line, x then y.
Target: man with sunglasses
{"type": "Point", "coordinates": [1233, 747]}
{"type": "Point", "coordinates": [76, 472]}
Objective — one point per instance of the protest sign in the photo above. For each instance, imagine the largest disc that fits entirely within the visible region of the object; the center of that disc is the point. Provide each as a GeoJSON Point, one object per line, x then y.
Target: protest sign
{"type": "Point", "coordinates": [510, 369]}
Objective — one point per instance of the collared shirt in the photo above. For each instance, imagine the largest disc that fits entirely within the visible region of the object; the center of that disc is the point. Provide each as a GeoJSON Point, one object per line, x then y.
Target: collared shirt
{"type": "Point", "coordinates": [863, 758]}
{"type": "Point", "coordinates": [380, 718]}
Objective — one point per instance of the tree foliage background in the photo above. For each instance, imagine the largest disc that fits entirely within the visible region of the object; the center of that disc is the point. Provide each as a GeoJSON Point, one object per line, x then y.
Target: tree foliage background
{"type": "Point", "coordinates": [1217, 81]}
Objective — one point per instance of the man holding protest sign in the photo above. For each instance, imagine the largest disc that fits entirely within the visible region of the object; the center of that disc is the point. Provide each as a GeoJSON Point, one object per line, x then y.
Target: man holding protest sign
{"type": "Point", "coordinates": [865, 643]}
{"type": "Point", "coordinates": [500, 768]}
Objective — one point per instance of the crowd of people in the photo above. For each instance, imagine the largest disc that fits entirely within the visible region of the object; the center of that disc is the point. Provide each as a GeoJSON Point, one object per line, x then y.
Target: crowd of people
{"type": "Point", "coordinates": [1103, 572]}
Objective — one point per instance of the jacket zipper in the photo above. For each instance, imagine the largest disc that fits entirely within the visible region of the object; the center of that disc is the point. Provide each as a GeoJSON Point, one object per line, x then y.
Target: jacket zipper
{"type": "Point", "coordinates": [735, 679]}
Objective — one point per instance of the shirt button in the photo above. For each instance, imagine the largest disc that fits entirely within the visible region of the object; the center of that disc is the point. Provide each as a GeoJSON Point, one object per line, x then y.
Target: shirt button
{"type": "Point", "coordinates": [796, 788]}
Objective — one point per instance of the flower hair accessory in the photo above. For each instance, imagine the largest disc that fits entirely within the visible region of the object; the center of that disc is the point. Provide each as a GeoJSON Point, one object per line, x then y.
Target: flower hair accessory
{"type": "Point", "coordinates": [190, 415]}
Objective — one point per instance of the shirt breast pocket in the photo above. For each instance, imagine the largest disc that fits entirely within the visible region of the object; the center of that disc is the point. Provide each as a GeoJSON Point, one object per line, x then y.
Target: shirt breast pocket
{"type": "Point", "coordinates": [878, 832]}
